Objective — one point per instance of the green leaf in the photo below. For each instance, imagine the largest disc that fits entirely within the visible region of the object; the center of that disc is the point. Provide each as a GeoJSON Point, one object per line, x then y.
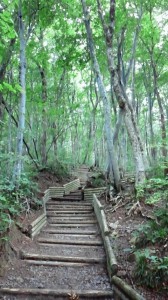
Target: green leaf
{"type": "Point", "coordinates": [9, 87]}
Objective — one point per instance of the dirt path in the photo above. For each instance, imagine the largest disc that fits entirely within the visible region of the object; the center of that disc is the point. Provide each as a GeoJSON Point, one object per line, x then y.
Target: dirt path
{"type": "Point", "coordinates": [66, 257]}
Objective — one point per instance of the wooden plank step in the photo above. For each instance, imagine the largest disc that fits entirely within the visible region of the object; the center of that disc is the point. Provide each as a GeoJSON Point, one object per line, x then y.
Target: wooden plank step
{"type": "Point", "coordinates": [70, 207]}
{"type": "Point", "coordinates": [71, 217]}
{"type": "Point", "coordinates": [73, 232]}
{"type": "Point", "coordinates": [69, 235]}
{"type": "Point", "coordinates": [67, 208]}
{"type": "Point", "coordinates": [87, 247]}
{"type": "Point", "coordinates": [78, 192]}
{"type": "Point", "coordinates": [56, 263]}
{"type": "Point", "coordinates": [72, 212]}
{"type": "Point", "coordinates": [54, 220]}
{"type": "Point", "coordinates": [56, 258]}
{"type": "Point", "coordinates": [62, 201]}
{"type": "Point", "coordinates": [96, 294]}
{"type": "Point", "coordinates": [70, 225]}
{"type": "Point", "coordinates": [70, 242]}
{"type": "Point", "coordinates": [75, 197]}
{"type": "Point", "coordinates": [69, 199]}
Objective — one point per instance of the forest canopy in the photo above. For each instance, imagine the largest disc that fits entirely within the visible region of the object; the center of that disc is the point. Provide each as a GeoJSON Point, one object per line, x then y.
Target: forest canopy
{"type": "Point", "coordinates": [84, 82]}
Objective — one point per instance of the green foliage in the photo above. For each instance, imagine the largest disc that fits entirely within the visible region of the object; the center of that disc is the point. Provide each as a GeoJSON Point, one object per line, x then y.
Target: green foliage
{"type": "Point", "coordinates": [153, 190]}
{"type": "Point", "coordinates": [140, 191]}
{"type": "Point", "coordinates": [157, 190]}
{"type": "Point", "coordinates": [14, 200]}
{"type": "Point", "coordinates": [154, 231]}
{"type": "Point", "coordinates": [8, 209]}
{"type": "Point", "coordinates": [98, 182]}
{"type": "Point", "coordinates": [58, 168]}
{"type": "Point", "coordinates": [151, 270]}
{"type": "Point", "coordinates": [152, 265]}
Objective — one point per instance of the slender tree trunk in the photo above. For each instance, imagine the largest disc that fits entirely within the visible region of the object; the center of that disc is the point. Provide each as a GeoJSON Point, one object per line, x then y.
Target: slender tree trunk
{"type": "Point", "coordinates": [161, 111]}
{"type": "Point", "coordinates": [44, 117]}
{"type": "Point", "coordinates": [152, 139]}
{"type": "Point", "coordinates": [123, 101]}
{"type": "Point", "coordinates": [22, 108]}
{"type": "Point", "coordinates": [106, 105]}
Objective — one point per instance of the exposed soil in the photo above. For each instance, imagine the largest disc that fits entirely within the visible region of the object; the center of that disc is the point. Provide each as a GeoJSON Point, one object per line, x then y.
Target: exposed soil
{"type": "Point", "coordinates": [45, 179]}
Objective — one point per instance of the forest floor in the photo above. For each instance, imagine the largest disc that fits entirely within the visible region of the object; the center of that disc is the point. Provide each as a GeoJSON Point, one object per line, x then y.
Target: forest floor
{"type": "Point", "coordinates": [122, 227]}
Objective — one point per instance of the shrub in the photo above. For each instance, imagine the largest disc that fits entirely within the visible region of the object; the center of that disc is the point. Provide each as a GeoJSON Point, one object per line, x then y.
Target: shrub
{"type": "Point", "coordinates": [151, 270]}
{"type": "Point", "coordinates": [14, 199]}
{"type": "Point", "coordinates": [152, 264]}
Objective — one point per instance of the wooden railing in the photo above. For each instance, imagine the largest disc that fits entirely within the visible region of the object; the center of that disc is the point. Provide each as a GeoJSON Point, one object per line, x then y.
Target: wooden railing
{"type": "Point", "coordinates": [88, 193]}
{"type": "Point", "coordinates": [56, 192]}
{"type": "Point", "coordinates": [35, 226]}
{"type": "Point", "coordinates": [71, 186]}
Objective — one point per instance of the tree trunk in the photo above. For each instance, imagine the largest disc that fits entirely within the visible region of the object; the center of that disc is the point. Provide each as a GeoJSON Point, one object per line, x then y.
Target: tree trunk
{"type": "Point", "coordinates": [21, 122]}
{"type": "Point", "coordinates": [44, 117]}
{"type": "Point", "coordinates": [161, 111]}
{"type": "Point", "coordinates": [106, 105]}
{"type": "Point", "coordinates": [121, 96]}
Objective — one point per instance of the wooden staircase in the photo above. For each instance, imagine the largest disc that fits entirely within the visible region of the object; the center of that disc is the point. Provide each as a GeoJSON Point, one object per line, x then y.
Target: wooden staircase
{"type": "Point", "coordinates": [67, 260]}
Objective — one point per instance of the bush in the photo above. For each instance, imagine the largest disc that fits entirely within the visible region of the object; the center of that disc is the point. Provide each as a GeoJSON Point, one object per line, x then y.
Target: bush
{"type": "Point", "coordinates": [14, 200]}
{"type": "Point", "coordinates": [154, 231]}
{"type": "Point", "coordinates": [152, 263]}
{"type": "Point", "coordinates": [151, 270]}
{"type": "Point", "coordinates": [58, 168]}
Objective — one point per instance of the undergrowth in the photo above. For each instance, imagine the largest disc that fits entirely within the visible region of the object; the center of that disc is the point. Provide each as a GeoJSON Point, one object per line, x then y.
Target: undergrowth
{"type": "Point", "coordinates": [151, 269]}
{"type": "Point", "coordinates": [152, 237]}
{"type": "Point", "coordinates": [58, 168]}
{"type": "Point", "coordinates": [14, 200]}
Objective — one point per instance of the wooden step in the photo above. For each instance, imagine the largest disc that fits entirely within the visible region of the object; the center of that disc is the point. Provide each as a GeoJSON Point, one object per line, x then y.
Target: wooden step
{"type": "Point", "coordinates": [70, 208]}
{"type": "Point", "coordinates": [70, 225]}
{"type": "Point", "coordinates": [56, 263]}
{"type": "Point", "coordinates": [87, 247]}
{"type": "Point", "coordinates": [60, 294]}
{"type": "Point", "coordinates": [82, 203]}
{"type": "Point", "coordinates": [68, 199]}
{"type": "Point", "coordinates": [73, 212]}
{"type": "Point", "coordinates": [70, 242]}
{"type": "Point", "coordinates": [55, 220]}
{"type": "Point", "coordinates": [71, 218]}
{"type": "Point", "coordinates": [69, 235]}
{"type": "Point", "coordinates": [73, 232]}
{"type": "Point", "coordinates": [56, 258]}
{"type": "Point", "coordinates": [60, 215]}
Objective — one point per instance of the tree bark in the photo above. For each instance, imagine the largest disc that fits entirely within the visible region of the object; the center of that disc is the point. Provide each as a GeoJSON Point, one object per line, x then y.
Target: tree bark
{"type": "Point", "coordinates": [21, 122]}
{"type": "Point", "coordinates": [114, 170]}
{"type": "Point", "coordinates": [161, 111]}
{"type": "Point", "coordinates": [123, 101]}
{"type": "Point", "coordinates": [44, 117]}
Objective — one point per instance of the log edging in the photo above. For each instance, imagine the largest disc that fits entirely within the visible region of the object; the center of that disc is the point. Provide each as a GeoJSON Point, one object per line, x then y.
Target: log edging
{"type": "Point", "coordinates": [112, 265]}
{"type": "Point", "coordinates": [127, 290]}
{"type": "Point", "coordinates": [51, 292]}
{"type": "Point", "coordinates": [121, 289]}
{"type": "Point", "coordinates": [35, 227]}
